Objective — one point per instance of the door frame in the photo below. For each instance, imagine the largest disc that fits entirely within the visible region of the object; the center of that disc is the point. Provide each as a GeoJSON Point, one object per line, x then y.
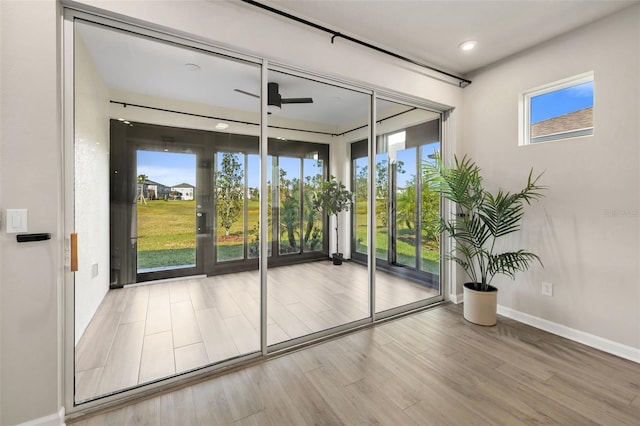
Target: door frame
{"type": "Point", "coordinates": [67, 330]}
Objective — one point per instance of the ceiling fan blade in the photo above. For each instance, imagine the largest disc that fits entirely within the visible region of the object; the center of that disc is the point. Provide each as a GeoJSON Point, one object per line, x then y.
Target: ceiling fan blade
{"type": "Point", "coordinates": [246, 93]}
{"type": "Point", "coordinates": [297, 100]}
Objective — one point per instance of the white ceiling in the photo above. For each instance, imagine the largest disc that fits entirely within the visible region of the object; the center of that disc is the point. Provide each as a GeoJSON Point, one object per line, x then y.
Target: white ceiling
{"type": "Point", "coordinates": [430, 31]}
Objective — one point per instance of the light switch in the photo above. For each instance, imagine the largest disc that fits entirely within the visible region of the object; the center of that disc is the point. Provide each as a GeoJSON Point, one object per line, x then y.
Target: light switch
{"type": "Point", "coordinates": [17, 221]}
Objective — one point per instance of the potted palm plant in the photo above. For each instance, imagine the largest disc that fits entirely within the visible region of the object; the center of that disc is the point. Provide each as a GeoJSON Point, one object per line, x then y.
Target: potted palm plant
{"type": "Point", "coordinates": [482, 218]}
{"type": "Point", "coordinates": [332, 198]}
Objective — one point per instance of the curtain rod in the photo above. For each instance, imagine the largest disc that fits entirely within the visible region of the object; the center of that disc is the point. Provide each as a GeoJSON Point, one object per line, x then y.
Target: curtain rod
{"type": "Point", "coordinates": [462, 82]}
{"type": "Point", "coordinates": [249, 123]}
{"type": "Point", "coordinates": [126, 104]}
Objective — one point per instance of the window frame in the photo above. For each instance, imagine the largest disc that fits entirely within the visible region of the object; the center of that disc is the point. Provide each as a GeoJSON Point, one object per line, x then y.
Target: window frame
{"type": "Point", "coordinates": [525, 110]}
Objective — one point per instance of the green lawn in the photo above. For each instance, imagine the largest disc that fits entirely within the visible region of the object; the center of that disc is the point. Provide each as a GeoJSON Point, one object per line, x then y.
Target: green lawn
{"type": "Point", "coordinates": [166, 236]}
{"type": "Point", "coordinates": [166, 233]}
{"type": "Point", "coordinates": [405, 244]}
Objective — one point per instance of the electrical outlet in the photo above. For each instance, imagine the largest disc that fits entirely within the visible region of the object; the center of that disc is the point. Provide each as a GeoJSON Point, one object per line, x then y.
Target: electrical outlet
{"type": "Point", "coordinates": [547, 289]}
{"type": "Point", "coordinates": [94, 270]}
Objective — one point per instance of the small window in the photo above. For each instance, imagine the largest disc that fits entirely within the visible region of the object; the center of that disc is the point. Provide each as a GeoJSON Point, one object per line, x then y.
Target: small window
{"type": "Point", "coordinates": [559, 110]}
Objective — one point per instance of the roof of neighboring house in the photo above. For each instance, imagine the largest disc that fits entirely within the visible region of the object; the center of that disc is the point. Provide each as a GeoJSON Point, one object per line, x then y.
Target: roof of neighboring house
{"type": "Point", "coordinates": [183, 185]}
{"type": "Point", "coordinates": [581, 119]}
{"type": "Point", "coordinates": [150, 182]}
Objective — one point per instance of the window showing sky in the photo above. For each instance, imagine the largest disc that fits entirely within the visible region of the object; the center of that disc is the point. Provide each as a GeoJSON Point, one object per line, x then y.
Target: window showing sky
{"type": "Point", "coordinates": [561, 102]}
{"type": "Point", "coordinates": [167, 168]}
{"type": "Point", "coordinates": [408, 159]}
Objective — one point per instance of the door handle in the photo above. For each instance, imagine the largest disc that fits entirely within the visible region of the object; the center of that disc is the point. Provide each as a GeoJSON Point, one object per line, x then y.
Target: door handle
{"type": "Point", "coordinates": [74, 252]}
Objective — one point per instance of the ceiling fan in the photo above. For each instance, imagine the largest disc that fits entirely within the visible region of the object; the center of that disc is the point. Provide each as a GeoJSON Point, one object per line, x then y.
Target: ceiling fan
{"type": "Point", "coordinates": [275, 100]}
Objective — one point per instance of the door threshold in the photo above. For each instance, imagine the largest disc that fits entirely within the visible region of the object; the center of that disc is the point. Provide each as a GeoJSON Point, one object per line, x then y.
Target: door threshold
{"type": "Point", "coordinates": [166, 280]}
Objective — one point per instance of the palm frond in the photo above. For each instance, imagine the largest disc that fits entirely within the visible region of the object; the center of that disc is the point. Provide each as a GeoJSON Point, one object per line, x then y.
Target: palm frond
{"type": "Point", "coordinates": [485, 217]}
{"type": "Point", "coordinates": [509, 263]}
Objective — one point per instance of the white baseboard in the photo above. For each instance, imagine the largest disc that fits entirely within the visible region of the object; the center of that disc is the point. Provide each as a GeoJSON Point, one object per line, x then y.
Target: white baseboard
{"type": "Point", "coordinates": [56, 419]}
{"type": "Point", "coordinates": [456, 297]}
{"type": "Point", "coordinates": [609, 346]}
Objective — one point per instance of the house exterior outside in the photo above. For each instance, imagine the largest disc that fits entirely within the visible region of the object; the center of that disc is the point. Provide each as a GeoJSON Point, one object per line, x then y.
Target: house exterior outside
{"type": "Point", "coordinates": [154, 190]}
{"type": "Point", "coordinates": [186, 191]}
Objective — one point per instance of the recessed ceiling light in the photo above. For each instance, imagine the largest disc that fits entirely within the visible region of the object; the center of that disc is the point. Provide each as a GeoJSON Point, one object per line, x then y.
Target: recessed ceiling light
{"type": "Point", "coordinates": [468, 45]}
{"type": "Point", "coordinates": [120, 119]}
{"type": "Point", "coordinates": [222, 126]}
{"type": "Point", "coordinates": [192, 67]}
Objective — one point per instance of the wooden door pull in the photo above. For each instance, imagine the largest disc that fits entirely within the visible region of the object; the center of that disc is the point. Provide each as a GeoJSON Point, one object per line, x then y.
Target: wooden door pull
{"type": "Point", "coordinates": [74, 252]}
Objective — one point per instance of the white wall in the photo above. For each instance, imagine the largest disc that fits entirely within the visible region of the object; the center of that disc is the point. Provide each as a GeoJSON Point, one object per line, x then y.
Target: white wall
{"type": "Point", "coordinates": [587, 229]}
{"type": "Point", "coordinates": [30, 177]}
{"type": "Point", "coordinates": [91, 188]}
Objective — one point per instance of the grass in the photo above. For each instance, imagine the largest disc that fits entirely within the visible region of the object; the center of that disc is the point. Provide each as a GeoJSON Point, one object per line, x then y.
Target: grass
{"type": "Point", "coordinates": [167, 237]}
{"type": "Point", "coordinates": [166, 233]}
{"type": "Point", "coordinates": [405, 243]}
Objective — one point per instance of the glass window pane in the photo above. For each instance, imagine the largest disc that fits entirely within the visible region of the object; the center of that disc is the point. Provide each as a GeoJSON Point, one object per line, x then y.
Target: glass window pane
{"type": "Point", "coordinates": [289, 204]}
{"type": "Point", "coordinates": [230, 193]}
{"type": "Point", "coordinates": [312, 220]}
{"type": "Point", "coordinates": [253, 208]}
{"type": "Point", "coordinates": [561, 110]}
{"type": "Point", "coordinates": [360, 210]}
{"type": "Point", "coordinates": [382, 206]}
{"type": "Point", "coordinates": [406, 207]}
{"type": "Point", "coordinates": [430, 211]}
{"type": "Point", "coordinates": [166, 211]}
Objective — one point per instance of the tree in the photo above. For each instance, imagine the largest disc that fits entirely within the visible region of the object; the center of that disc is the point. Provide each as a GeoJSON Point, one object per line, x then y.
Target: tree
{"type": "Point", "coordinates": [229, 190]}
{"type": "Point", "coordinates": [289, 208]}
{"type": "Point", "coordinates": [382, 189]}
{"type": "Point", "coordinates": [332, 198]}
{"type": "Point", "coordinates": [312, 233]}
{"type": "Point", "coordinates": [141, 181]}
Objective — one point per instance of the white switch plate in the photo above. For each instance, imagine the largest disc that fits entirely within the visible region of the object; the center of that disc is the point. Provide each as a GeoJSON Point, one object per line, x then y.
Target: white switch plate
{"type": "Point", "coordinates": [547, 289]}
{"type": "Point", "coordinates": [17, 221]}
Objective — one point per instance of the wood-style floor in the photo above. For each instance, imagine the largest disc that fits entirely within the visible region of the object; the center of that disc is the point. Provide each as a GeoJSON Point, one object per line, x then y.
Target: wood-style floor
{"type": "Point", "coordinates": [430, 368]}
{"type": "Point", "coordinates": [144, 333]}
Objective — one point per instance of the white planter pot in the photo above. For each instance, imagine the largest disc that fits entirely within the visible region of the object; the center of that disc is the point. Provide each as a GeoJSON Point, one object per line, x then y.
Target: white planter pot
{"type": "Point", "coordinates": [480, 307]}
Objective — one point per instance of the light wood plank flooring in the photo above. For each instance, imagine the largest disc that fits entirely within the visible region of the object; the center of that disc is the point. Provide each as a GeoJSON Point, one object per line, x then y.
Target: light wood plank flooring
{"type": "Point", "coordinates": [145, 333]}
{"type": "Point", "coordinates": [430, 368]}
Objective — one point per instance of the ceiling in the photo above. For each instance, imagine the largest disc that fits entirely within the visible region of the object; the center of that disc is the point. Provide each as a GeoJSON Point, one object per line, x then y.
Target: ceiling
{"type": "Point", "coordinates": [139, 65]}
{"type": "Point", "coordinates": [430, 31]}
{"type": "Point", "coordinates": [427, 31]}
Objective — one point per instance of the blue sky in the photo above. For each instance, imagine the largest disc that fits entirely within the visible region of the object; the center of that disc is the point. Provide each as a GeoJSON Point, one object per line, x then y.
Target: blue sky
{"type": "Point", "coordinates": [167, 168]}
{"type": "Point", "coordinates": [561, 102]}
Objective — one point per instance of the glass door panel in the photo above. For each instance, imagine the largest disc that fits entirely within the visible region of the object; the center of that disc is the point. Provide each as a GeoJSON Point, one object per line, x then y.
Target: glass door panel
{"type": "Point", "coordinates": [306, 293]}
{"type": "Point", "coordinates": [146, 209]}
{"type": "Point", "coordinates": [166, 214]}
{"type": "Point", "coordinates": [407, 270]}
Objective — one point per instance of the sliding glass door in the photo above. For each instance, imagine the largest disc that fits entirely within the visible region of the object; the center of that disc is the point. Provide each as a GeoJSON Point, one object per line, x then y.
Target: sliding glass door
{"type": "Point", "coordinates": [171, 203]}
{"type": "Point", "coordinates": [406, 211]}
{"type": "Point", "coordinates": [166, 186]}
{"type": "Point", "coordinates": [315, 297]}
